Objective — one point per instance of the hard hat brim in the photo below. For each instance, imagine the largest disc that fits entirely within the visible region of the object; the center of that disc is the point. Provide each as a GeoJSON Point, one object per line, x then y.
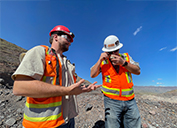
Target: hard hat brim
{"type": "Point", "coordinates": [113, 49]}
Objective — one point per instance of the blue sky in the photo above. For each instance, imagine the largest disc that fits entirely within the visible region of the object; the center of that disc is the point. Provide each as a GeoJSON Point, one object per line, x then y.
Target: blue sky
{"type": "Point", "coordinates": [147, 28]}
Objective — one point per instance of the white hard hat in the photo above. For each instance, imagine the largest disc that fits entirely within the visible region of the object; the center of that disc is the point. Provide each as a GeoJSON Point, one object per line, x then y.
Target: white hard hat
{"type": "Point", "coordinates": [111, 43]}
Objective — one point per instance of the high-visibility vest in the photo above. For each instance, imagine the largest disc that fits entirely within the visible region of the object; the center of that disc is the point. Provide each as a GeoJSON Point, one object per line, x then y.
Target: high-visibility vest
{"type": "Point", "coordinates": [46, 112]}
{"type": "Point", "coordinates": [118, 86]}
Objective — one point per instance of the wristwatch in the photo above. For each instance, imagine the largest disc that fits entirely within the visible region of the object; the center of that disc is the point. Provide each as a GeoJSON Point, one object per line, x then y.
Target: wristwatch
{"type": "Point", "coordinates": [125, 64]}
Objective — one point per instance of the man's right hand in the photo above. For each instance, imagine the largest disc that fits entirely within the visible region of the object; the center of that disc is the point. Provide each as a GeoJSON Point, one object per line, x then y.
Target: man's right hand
{"type": "Point", "coordinates": [104, 56]}
{"type": "Point", "coordinates": [95, 70]}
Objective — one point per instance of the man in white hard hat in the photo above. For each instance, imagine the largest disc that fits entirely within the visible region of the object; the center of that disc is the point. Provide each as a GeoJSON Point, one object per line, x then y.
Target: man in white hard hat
{"type": "Point", "coordinates": [120, 106]}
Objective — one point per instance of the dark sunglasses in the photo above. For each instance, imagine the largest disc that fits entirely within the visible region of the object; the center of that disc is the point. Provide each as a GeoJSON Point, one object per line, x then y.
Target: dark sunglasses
{"type": "Point", "coordinates": [64, 35]}
{"type": "Point", "coordinates": [113, 51]}
{"type": "Point", "coordinates": [67, 37]}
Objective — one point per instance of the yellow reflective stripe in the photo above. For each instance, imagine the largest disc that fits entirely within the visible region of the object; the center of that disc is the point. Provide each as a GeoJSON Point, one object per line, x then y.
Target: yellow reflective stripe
{"type": "Point", "coordinates": [108, 79]}
{"type": "Point", "coordinates": [41, 119]}
{"type": "Point", "coordinates": [110, 93]}
{"type": "Point", "coordinates": [128, 95]}
{"type": "Point", "coordinates": [126, 90]}
{"type": "Point", "coordinates": [120, 54]}
{"type": "Point", "coordinates": [47, 52]}
{"type": "Point", "coordinates": [53, 81]}
{"type": "Point", "coordinates": [104, 62]}
{"type": "Point", "coordinates": [115, 92]}
{"type": "Point", "coordinates": [129, 89]}
{"type": "Point", "coordinates": [44, 78]}
{"type": "Point", "coordinates": [128, 76]}
{"type": "Point", "coordinates": [126, 73]}
{"type": "Point", "coordinates": [55, 104]}
{"type": "Point", "coordinates": [115, 89]}
{"type": "Point", "coordinates": [126, 56]}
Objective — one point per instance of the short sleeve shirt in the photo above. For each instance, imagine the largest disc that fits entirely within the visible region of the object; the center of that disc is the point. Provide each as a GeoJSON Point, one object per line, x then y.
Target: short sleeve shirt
{"type": "Point", "coordinates": [33, 65]}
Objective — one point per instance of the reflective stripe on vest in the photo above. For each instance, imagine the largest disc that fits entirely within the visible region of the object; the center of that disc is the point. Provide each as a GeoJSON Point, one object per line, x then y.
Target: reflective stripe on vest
{"type": "Point", "coordinates": [126, 56]}
{"type": "Point", "coordinates": [104, 62]}
{"type": "Point", "coordinates": [46, 109]}
{"type": "Point", "coordinates": [46, 78]}
{"type": "Point", "coordinates": [41, 119]}
{"type": "Point", "coordinates": [112, 91]}
{"type": "Point", "coordinates": [128, 74]}
{"type": "Point", "coordinates": [44, 113]}
{"type": "Point", "coordinates": [129, 77]}
{"type": "Point", "coordinates": [107, 79]}
{"type": "Point", "coordinates": [127, 92]}
{"type": "Point", "coordinates": [115, 91]}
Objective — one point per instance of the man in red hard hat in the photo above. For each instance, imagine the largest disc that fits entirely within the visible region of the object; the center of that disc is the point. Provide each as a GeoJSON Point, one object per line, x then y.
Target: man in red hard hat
{"type": "Point", "coordinates": [47, 78]}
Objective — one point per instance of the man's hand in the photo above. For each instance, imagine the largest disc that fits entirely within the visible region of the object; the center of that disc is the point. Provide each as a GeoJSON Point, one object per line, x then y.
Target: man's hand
{"type": "Point", "coordinates": [77, 89]}
{"type": "Point", "coordinates": [95, 70]}
{"type": "Point", "coordinates": [104, 56]}
{"type": "Point", "coordinates": [117, 60]}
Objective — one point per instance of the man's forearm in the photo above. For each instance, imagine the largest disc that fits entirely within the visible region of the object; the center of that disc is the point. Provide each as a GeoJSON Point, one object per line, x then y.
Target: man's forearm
{"type": "Point", "coordinates": [95, 70]}
{"type": "Point", "coordinates": [26, 86]}
{"type": "Point", "coordinates": [133, 68]}
{"type": "Point", "coordinates": [37, 89]}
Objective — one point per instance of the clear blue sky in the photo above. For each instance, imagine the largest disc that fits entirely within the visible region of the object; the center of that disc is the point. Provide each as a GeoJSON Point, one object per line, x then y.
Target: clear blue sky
{"type": "Point", "coordinates": [147, 28]}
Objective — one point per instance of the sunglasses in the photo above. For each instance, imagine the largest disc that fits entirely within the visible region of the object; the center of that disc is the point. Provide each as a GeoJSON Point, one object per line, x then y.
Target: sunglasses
{"type": "Point", "coordinates": [67, 37]}
{"type": "Point", "coordinates": [113, 52]}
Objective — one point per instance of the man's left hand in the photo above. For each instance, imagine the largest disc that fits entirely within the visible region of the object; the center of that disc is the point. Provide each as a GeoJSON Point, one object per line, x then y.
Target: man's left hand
{"type": "Point", "coordinates": [117, 60]}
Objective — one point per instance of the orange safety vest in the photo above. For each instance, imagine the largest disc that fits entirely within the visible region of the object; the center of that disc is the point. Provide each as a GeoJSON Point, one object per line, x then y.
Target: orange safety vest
{"type": "Point", "coordinates": [118, 86]}
{"type": "Point", "coordinates": [46, 112]}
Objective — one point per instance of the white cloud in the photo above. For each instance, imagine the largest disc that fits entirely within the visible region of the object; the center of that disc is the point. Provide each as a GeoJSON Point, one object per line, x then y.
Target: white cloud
{"type": "Point", "coordinates": [174, 49]}
{"type": "Point", "coordinates": [159, 83]}
{"type": "Point", "coordinates": [162, 48]}
{"type": "Point", "coordinates": [137, 30]}
{"type": "Point", "coordinates": [159, 79]}
{"type": "Point", "coordinates": [153, 80]}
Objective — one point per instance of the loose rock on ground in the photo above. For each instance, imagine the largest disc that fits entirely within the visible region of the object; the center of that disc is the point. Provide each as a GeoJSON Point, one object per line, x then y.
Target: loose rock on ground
{"type": "Point", "coordinates": [156, 112]}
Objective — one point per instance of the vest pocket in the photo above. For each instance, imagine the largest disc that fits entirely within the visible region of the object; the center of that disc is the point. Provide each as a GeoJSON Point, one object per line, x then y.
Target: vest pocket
{"type": "Point", "coordinates": [50, 65]}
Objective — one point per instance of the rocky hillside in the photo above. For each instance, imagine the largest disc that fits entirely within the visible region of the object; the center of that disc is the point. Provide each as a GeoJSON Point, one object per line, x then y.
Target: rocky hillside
{"type": "Point", "coordinates": [157, 110]}
{"type": "Point", "coordinates": [9, 60]}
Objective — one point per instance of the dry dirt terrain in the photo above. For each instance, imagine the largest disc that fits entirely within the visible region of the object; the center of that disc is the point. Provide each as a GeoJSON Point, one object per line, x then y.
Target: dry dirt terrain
{"type": "Point", "coordinates": [156, 111]}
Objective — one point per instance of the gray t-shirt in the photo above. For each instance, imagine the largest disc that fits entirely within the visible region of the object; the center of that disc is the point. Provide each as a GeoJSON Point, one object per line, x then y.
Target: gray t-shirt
{"type": "Point", "coordinates": [131, 60]}
{"type": "Point", "coordinates": [33, 65]}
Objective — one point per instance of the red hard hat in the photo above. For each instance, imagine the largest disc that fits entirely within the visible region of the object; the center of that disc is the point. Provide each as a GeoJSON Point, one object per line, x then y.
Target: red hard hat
{"type": "Point", "coordinates": [61, 28]}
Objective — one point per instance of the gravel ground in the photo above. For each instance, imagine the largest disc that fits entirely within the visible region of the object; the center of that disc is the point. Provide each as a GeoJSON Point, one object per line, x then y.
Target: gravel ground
{"type": "Point", "coordinates": [156, 111]}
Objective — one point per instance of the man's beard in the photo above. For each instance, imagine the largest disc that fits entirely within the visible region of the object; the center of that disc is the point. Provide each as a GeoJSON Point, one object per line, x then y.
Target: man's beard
{"type": "Point", "coordinates": [64, 47]}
